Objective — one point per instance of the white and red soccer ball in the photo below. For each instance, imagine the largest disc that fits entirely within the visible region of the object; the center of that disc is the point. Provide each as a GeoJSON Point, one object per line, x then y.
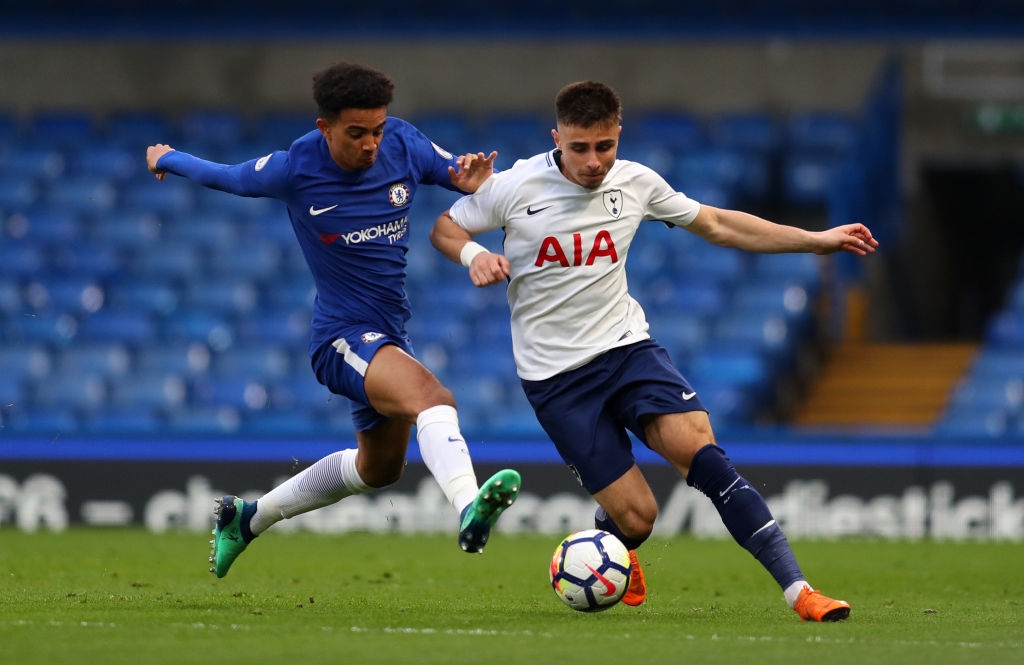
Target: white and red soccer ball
{"type": "Point", "coordinates": [590, 570]}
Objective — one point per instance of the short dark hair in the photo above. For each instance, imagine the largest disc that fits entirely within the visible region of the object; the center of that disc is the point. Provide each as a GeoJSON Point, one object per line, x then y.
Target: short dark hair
{"type": "Point", "coordinates": [587, 103]}
{"type": "Point", "coordinates": [346, 85]}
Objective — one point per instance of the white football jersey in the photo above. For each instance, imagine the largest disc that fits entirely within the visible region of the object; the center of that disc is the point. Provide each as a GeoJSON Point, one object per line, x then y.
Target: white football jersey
{"type": "Point", "coordinates": [567, 246]}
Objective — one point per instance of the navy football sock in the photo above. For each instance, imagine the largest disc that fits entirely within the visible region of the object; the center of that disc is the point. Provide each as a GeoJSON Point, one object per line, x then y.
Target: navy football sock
{"type": "Point", "coordinates": [744, 513]}
{"type": "Point", "coordinates": [603, 521]}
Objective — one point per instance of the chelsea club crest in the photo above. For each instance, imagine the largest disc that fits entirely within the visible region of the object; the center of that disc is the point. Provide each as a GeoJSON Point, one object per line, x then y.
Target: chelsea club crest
{"type": "Point", "coordinates": [398, 195]}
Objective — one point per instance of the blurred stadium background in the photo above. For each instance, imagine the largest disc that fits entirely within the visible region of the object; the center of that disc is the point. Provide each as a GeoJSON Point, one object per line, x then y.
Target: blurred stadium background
{"type": "Point", "coordinates": [153, 335]}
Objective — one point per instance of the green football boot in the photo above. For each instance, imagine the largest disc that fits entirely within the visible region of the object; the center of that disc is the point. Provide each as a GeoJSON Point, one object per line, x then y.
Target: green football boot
{"type": "Point", "coordinates": [497, 494]}
{"type": "Point", "coordinates": [231, 535]}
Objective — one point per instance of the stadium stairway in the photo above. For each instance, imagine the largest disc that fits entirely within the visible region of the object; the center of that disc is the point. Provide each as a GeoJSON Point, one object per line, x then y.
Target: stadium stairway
{"type": "Point", "coordinates": [872, 385]}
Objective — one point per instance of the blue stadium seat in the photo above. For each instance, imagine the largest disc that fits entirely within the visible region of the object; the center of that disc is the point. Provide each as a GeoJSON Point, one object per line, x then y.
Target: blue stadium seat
{"type": "Point", "coordinates": [10, 295]}
{"type": "Point", "coordinates": [99, 359]}
{"type": "Point", "coordinates": [807, 178]}
{"type": "Point", "coordinates": [803, 268]}
{"type": "Point", "coordinates": [187, 360]}
{"type": "Point", "coordinates": [989, 393]}
{"type": "Point", "coordinates": [281, 423]}
{"type": "Point", "coordinates": [513, 421]}
{"type": "Point", "coordinates": [85, 393]}
{"type": "Point", "coordinates": [47, 224]}
{"type": "Point", "coordinates": [87, 258]}
{"type": "Point", "coordinates": [236, 392]}
{"type": "Point", "coordinates": [726, 364]}
{"type": "Point", "coordinates": [198, 325]}
{"type": "Point", "coordinates": [17, 191]}
{"type": "Point", "coordinates": [299, 390]}
{"type": "Point", "coordinates": [11, 389]}
{"type": "Point", "coordinates": [225, 294]}
{"type": "Point", "coordinates": [49, 421]}
{"type": "Point", "coordinates": [768, 333]}
{"type": "Point", "coordinates": [790, 300]}
{"type": "Point", "coordinates": [1005, 363]}
{"type": "Point", "coordinates": [154, 295]}
{"type": "Point", "coordinates": [62, 128]}
{"type": "Point", "coordinates": [209, 202]}
{"type": "Point", "coordinates": [211, 127]}
{"type": "Point", "coordinates": [148, 391]}
{"type": "Point", "coordinates": [250, 259]}
{"type": "Point", "coordinates": [137, 129]}
{"type": "Point", "coordinates": [173, 196]}
{"type": "Point", "coordinates": [166, 260]}
{"type": "Point", "coordinates": [676, 131]}
{"type": "Point", "coordinates": [297, 291]}
{"type": "Point", "coordinates": [82, 194]}
{"type": "Point", "coordinates": [706, 262]}
{"type": "Point", "coordinates": [127, 228]}
{"type": "Point", "coordinates": [55, 329]}
{"type": "Point", "coordinates": [515, 136]}
{"type": "Point", "coordinates": [973, 421]}
{"type": "Point", "coordinates": [701, 299]}
{"type": "Point", "coordinates": [271, 226]}
{"type": "Point", "coordinates": [1006, 329]}
{"type": "Point", "coordinates": [204, 420]}
{"type": "Point", "coordinates": [34, 161]}
{"type": "Point", "coordinates": [449, 129]}
{"type": "Point", "coordinates": [68, 294]}
{"type": "Point", "coordinates": [131, 420]}
{"type": "Point", "coordinates": [821, 131]}
{"type": "Point", "coordinates": [727, 403]}
{"type": "Point", "coordinates": [125, 326]}
{"type": "Point", "coordinates": [252, 361]}
{"type": "Point", "coordinates": [746, 131]}
{"type": "Point", "coordinates": [21, 259]}
{"type": "Point", "coordinates": [203, 229]}
{"type": "Point", "coordinates": [281, 129]}
{"type": "Point", "coordinates": [682, 333]}
{"type": "Point", "coordinates": [111, 162]}
{"type": "Point", "coordinates": [289, 326]}
{"type": "Point", "coordinates": [29, 360]}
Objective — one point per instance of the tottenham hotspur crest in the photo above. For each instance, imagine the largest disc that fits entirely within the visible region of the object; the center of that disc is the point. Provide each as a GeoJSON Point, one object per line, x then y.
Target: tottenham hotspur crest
{"type": "Point", "coordinates": [398, 195]}
{"type": "Point", "coordinates": [613, 202]}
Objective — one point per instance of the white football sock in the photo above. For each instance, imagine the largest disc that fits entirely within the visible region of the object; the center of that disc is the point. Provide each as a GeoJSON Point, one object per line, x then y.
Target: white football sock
{"type": "Point", "coordinates": [793, 591]}
{"type": "Point", "coordinates": [444, 452]}
{"type": "Point", "coordinates": [329, 480]}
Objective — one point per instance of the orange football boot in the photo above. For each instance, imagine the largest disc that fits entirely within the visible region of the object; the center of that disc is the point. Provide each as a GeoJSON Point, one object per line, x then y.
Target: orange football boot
{"type": "Point", "coordinates": [812, 606]}
{"type": "Point", "coordinates": [637, 591]}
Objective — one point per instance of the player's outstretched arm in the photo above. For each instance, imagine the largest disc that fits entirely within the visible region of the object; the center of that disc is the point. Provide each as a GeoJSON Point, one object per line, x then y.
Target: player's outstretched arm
{"type": "Point", "coordinates": [733, 228]}
{"type": "Point", "coordinates": [485, 268]}
{"type": "Point", "coordinates": [472, 170]}
{"type": "Point", "coordinates": [153, 155]}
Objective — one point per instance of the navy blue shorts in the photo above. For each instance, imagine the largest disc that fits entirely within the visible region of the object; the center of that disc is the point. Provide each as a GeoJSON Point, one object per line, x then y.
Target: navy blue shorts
{"type": "Point", "coordinates": [341, 366]}
{"type": "Point", "coordinates": [586, 411]}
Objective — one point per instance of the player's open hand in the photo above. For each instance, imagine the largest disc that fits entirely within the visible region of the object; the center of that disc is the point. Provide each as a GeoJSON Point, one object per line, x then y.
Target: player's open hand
{"type": "Point", "coordinates": [472, 171]}
{"type": "Point", "coordinates": [153, 155]}
{"type": "Point", "coordinates": [853, 238]}
{"type": "Point", "coordinates": [488, 268]}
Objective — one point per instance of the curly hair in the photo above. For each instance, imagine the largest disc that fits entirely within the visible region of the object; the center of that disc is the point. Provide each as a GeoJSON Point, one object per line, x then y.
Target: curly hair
{"type": "Point", "coordinates": [346, 85]}
{"type": "Point", "coordinates": [587, 103]}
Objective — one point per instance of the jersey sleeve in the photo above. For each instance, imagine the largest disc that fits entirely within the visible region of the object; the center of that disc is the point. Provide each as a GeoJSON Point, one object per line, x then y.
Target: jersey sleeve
{"type": "Point", "coordinates": [266, 176]}
{"type": "Point", "coordinates": [431, 160]}
{"type": "Point", "coordinates": [483, 210]}
{"type": "Point", "coordinates": [666, 204]}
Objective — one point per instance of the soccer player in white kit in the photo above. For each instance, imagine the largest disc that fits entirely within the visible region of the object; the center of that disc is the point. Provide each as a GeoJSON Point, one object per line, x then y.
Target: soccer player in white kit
{"type": "Point", "coordinates": [581, 344]}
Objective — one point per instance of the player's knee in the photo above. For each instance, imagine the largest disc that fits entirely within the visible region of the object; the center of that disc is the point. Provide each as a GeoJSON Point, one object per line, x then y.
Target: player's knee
{"type": "Point", "coordinates": [382, 474]}
{"type": "Point", "coordinates": [638, 521]}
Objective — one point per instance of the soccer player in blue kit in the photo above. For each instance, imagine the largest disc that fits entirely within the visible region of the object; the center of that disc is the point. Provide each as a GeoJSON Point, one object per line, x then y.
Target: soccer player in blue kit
{"type": "Point", "coordinates": [581, 344]}
{"type": "Point", "coordinates": [348, 186]}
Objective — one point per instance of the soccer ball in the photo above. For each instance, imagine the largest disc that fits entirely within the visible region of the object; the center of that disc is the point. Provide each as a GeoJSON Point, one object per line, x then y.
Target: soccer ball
{"type": "Point", "coordinates": [590, 570]}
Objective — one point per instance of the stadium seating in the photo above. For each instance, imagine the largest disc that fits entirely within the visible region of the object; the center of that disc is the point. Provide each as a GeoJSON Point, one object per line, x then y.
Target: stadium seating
{"type": "Point", "coordinates": [131, 305]}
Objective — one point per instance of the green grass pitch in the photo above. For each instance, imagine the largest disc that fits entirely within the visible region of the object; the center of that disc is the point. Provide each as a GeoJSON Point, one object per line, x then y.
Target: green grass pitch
{"type": "Point", "coordinates": [128, 596]}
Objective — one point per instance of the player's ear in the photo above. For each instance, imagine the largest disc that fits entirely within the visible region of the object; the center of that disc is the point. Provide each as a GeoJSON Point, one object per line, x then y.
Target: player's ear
{"type": "Point", "coordinates": [554, 135]}
{"type": "Point", "coordinates": [322, 125]}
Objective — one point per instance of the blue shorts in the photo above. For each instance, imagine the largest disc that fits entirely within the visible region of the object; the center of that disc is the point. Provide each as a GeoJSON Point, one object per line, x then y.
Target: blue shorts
{"type": "Point", "coordinates": [341, 366]}
{"type": "Point", "coordinates": [586, 411]}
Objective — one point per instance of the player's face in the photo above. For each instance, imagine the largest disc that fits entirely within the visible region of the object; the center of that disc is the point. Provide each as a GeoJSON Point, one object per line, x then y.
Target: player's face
{"type": "Point", "coordinates": [587, 152]}
{"type": "Point", "coordinates": [354, 136]}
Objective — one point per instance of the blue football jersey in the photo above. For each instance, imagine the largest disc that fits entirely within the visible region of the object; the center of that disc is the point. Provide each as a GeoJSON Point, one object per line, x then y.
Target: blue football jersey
{"type": "Point", "coordinates": [352, 226]}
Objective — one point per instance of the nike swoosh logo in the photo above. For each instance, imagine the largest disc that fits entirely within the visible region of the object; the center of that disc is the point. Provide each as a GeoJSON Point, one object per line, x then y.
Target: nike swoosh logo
{"type": "Point", "coordinates": [689, 396]}
{"type": "Point", "coordinates": [455, 438]}
{"type": "Point", "coordinates": [604, 580]}
{"type": "Point", "coordinates": [531, 211]}
{"type": "Point", "coordinates": [726, 490]}
{"type": "Point", "coordinates": [313, 211]}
